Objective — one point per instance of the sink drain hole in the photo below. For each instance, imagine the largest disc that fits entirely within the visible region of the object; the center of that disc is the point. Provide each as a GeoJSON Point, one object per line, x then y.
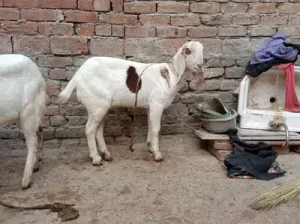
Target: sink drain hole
{"type": "Point", "coordinates": [272, 100]}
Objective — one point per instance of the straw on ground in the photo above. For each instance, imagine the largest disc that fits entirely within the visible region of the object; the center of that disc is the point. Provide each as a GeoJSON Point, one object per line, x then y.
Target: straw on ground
{"type": "Point", "coordinates": [276, 196]}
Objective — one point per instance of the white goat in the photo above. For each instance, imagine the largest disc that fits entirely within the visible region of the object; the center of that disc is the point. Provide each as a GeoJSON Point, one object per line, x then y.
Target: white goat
{"type": "Point", "coordinates": [105, 82]}
{"type": "Point", "coordinates": [23, 100]}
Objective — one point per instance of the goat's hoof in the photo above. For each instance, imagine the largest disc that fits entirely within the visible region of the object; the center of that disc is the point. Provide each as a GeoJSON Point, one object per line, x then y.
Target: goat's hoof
{"type": "Point", "coordinates": [26, 183]}
{"type": "Point", "coordinates": [36, 169]}
{"type": "Point", "coordinates": [149, 150]}
{"type": "Point", "coordinates": [97, 161]}
{"type": "Point", "coordinates": [107, 157]}
{"type": "Point", "coordinates": [158, 158]}
{"type": "Point", "coordinates": [131, 148]}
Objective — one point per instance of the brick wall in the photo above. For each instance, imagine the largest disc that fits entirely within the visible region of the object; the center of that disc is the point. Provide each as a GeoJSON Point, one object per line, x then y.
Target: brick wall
{"type": "Point", "coordinates": [60, 34]}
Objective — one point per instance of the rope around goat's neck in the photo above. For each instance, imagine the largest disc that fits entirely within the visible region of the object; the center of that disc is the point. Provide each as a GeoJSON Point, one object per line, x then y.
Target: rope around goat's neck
{"type": "Point", "coordinates": [173, 69]}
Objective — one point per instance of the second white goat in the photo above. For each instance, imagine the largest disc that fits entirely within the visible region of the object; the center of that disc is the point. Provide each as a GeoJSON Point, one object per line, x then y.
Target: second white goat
{"type": "Point", "coordinates": [105, 82]}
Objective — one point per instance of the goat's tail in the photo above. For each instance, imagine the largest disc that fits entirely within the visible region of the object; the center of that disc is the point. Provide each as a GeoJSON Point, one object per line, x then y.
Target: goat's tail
{"type": "Point", "coordinates": [64, 96]}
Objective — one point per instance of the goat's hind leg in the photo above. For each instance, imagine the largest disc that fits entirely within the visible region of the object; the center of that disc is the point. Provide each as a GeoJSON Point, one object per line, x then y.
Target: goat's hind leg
{"type": "Point", "coordinates": [40, 146]}
{"type": "Point", "coordinates": [94, 119]}
{"type": "Point", "coordinates": [30, 126]}
{"type": "Point", "coordinates": [101, 143]}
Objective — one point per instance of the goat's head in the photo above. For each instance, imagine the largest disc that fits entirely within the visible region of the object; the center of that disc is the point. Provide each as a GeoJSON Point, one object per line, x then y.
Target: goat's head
{"type": "Point", "coordinates": [193, 54]}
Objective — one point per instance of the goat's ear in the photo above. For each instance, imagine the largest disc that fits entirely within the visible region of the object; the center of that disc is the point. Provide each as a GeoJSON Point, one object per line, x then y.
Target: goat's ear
{"type": "Point", "coordinates": [186, 50]}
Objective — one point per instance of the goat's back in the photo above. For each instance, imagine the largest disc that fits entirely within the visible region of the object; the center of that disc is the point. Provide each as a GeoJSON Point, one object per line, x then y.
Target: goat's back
{"type": "Point", "coordinates": [20, 82]}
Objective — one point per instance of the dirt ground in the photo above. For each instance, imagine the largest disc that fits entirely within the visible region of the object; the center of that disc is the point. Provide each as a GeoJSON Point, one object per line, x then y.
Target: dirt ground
{"type": "Point", "coordinates": [190, 186]}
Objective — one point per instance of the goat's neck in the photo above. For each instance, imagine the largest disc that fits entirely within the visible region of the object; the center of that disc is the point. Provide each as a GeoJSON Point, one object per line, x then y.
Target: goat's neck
{"type": "Point", "coordinates": [179, 65]}
{"type": "Point", "coordinates": [178, 62]}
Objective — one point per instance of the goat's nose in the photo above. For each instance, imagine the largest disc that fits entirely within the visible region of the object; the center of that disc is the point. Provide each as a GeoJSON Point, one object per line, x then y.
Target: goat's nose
{"type": "Point", "coordinates": [199, 65]}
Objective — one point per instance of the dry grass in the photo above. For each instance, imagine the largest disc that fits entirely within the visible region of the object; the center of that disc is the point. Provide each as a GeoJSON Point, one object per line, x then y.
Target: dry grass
{"type": "Point", "coordinates": [276, 196]}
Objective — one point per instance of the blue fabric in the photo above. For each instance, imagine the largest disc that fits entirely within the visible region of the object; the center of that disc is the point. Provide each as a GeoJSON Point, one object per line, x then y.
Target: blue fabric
{"type": "Point", "coordinates": [275, 48]}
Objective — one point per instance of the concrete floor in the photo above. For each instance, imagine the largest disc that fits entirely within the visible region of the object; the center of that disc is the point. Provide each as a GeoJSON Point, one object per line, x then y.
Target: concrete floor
{"type": "Point", "coordinates": [190, 186]}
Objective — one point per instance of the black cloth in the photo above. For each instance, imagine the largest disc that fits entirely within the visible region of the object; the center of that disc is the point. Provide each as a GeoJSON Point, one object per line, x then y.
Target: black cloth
{"type": "Point", "coordinates": [255, 70]}
{"type": "Point", "coordinates": [251, 159]}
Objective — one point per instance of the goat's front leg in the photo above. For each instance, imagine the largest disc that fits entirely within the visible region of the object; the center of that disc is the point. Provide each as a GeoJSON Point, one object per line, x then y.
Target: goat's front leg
{"type": "Point", "coordinates": [155, 114]}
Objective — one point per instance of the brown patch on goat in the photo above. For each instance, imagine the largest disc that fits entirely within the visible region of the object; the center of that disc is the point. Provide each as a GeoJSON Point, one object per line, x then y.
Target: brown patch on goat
{"type": "Point", "coordinates": [187, 51]}
{"type": "Point", "coordinates": [165, 74]}
{"type": "Point", "coordinates": [133, 83]}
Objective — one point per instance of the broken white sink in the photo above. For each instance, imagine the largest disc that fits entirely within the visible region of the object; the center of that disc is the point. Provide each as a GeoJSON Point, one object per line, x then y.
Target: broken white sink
{"type": "Point", "coordinates": [262, 100]}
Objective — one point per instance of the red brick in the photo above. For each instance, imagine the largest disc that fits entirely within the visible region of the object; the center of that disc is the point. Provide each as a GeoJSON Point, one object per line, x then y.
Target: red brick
{"type": "Point", "coordinates": [120, 19]}
{"type": "Point", "coordinates": [234, 8]}
{"type": "Point", "coordinates": [59, 4]}
{"type": "Point", "coordinates": [117, 5]}
{"type": "Point", "coordinates": [68, 45]}
{"type": "Point", "coordinates": [54, 62]}
{"type": "Point", "coordinates": [58, 74]}
{"type": "Point", "coordinates": [21, 3]}
{"type": "Point", "coordinates": [171, 32]}
{"type": "Point", "coordinates": [202, 31]}
{"type": "Point", "coordinates": [80, 16]}
{"type": "Point", "coordinates": [233, 31]}
{"type": "Point", "coordinates": [246, 19]}
{"type": "Point", "coordinates": [85, 4]}
{"type": "Point", "coordinates": [1, 3]}
{"type": "Point", "coordinates": [57, 29]}
{"type": "Point", "coordinates": [205, 7]}
{"type": "Point", "coordinates": [107, 47]}
{"type": "Point", "coordinates": [173, 7]}
{"type": "Point", "coordinates": [274, 19]}
{"type": "Point", "coordinates": [9, 14]}
{"type": "Point", "coordinates": [261, 31]}
{"type": "Point", "coordinates": [5, 44]}
{"type": "Point", "coordinates": [85, 30]}
{"type": "Point", "coordinates": [214, 20]}
{"type": "Point", "coordinates": [18, 28]}
{"type": "Point", "coordinates": [103, 30]}
{"type": "Point", "coordinates": [154, 20]}
{"type": "Point", "coordinates": [38, 14]}
{"type": "Point", "coordinates": [52, 110]}
{"type": "Point", "coordinates": [31, 44]}
{"type": "Point", "coordinates": [293, 21]}
{"type": "Point", "coordinates": [262, 8]}
{"type": "Point", "coordinates": [289, 8]}
{"type": "Point", "coordinates": [52, 87]}
{"type": "Point", "coordinates": [185, 20]}
{"type": "Point", "coordinates": [102, 5]}
{"type": "Point", "coordinates": [290, 31]}
{"type": "Point", "coordinates": [117, 31]}
{"type": "Point", "coordinates": [139, 31]}
{"type": "Point", "coordinates": [142, 7]}
{"type": "Point", "coordinates": [151, 47]}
